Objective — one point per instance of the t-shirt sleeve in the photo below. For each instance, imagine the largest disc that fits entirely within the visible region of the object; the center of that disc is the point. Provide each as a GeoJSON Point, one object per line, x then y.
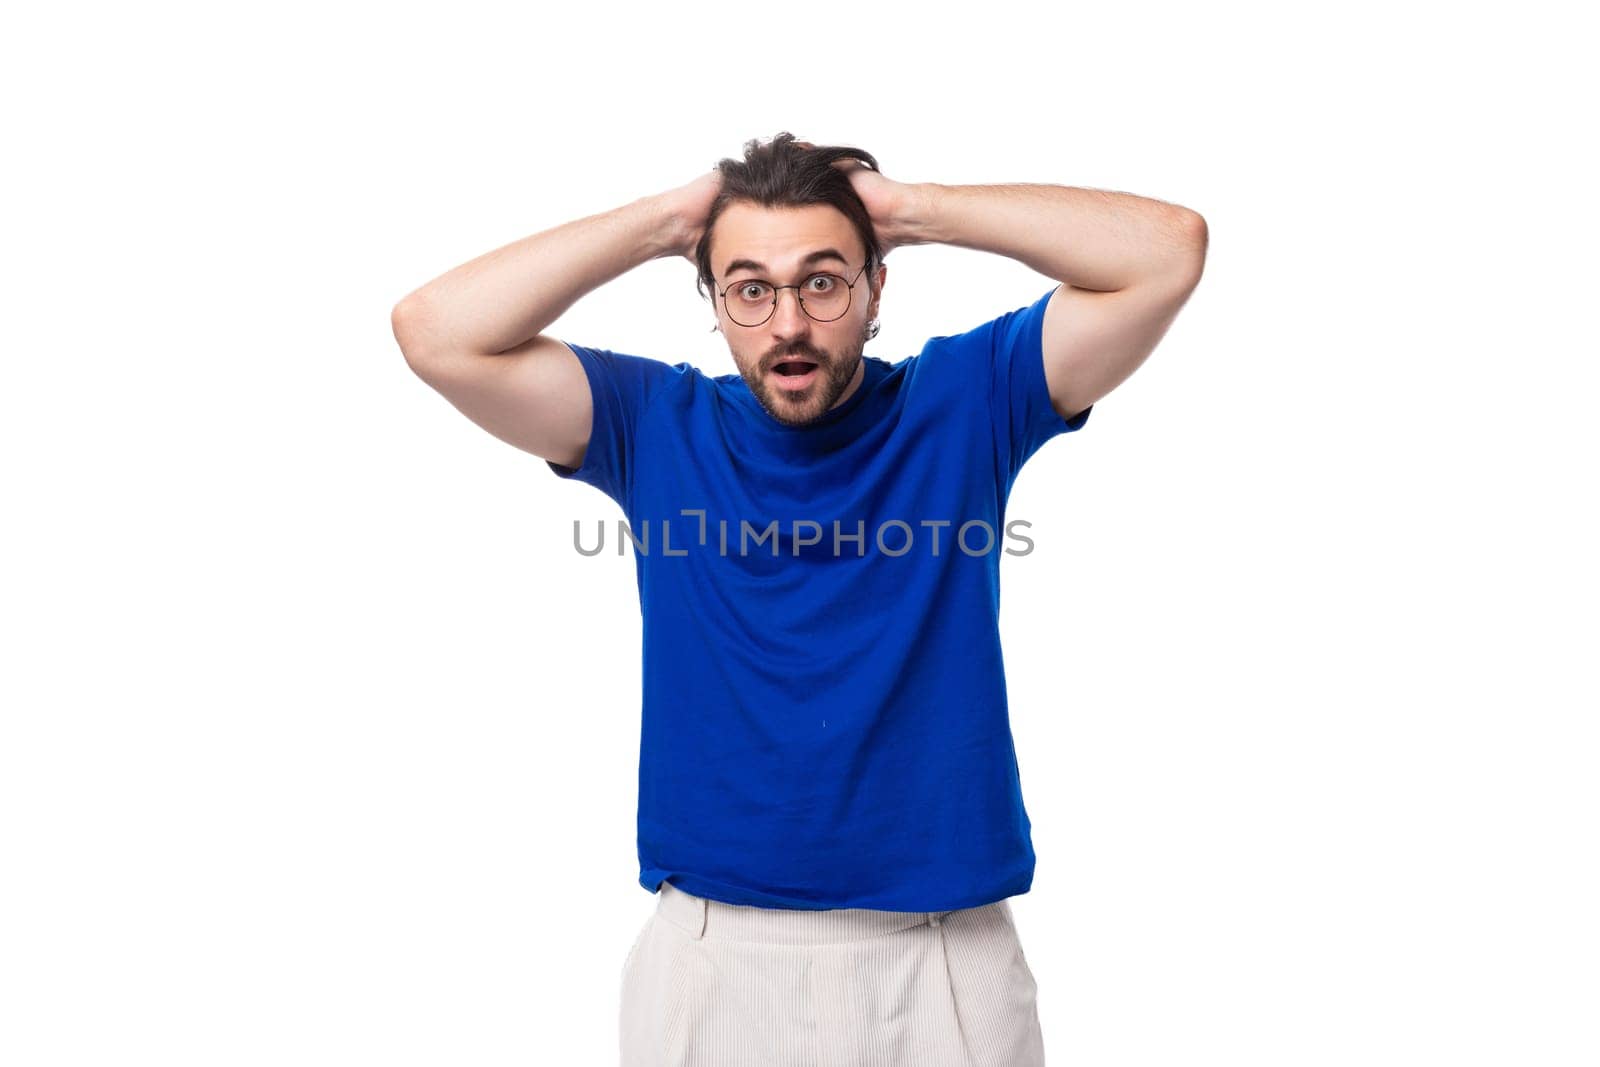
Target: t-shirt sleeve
{"type": "Point", "coordinates": [1019, 396]}
{"type": "Point", "coordinates": [620, 387]}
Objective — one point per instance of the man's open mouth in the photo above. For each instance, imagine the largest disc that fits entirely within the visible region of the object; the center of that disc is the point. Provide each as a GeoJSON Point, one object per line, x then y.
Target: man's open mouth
{"type": "Point", "coordinates": [795, 368]}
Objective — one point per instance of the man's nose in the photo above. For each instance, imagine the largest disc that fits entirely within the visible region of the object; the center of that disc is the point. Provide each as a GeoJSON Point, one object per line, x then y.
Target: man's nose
{"type": "Point", "coordinates": [788, 318]}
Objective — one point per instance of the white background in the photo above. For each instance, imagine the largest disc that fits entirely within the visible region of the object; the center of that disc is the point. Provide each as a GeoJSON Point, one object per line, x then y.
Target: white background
{"type": "Point", "coordinates": [319, 740]}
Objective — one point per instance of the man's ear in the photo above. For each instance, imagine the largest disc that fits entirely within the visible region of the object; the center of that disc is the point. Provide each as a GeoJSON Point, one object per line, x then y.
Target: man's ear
{"type": "Point", "coordinates": [883, 273]}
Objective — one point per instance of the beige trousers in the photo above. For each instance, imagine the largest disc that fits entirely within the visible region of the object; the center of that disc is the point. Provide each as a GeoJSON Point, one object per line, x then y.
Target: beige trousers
{"type": "Point", "coordinates": [709, 984]}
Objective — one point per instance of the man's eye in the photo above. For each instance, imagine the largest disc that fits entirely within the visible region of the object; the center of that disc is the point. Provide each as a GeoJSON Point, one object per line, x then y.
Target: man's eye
{"type": "Point", "coordinates": [825, 279]}
{"type": "Point", "coordinates": [752, 290]}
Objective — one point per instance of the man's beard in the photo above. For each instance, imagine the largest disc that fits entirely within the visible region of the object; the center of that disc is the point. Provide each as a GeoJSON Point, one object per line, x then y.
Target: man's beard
{"type": "Point", "coordinates": [833, 376]}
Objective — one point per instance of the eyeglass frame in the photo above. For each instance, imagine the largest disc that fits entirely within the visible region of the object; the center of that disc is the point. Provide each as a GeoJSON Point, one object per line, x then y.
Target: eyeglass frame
{"type": "Point", "coordinates": [850, 287]}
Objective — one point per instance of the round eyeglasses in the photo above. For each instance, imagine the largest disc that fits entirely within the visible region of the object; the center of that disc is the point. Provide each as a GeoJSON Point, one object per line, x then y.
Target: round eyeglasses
{"type": "Point", "coordinates": [823, 297]}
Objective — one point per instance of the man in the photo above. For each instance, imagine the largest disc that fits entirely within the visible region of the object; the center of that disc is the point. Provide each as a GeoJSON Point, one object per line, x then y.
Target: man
{"type": "Point", "coordinates": [829, 800]}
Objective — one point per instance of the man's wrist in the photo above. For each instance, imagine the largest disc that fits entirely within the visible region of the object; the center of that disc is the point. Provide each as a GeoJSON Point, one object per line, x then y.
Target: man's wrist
{"type": "Point", "coordinates": [917, 222]}
{"type": "Point", "coordinates": [663, 224]}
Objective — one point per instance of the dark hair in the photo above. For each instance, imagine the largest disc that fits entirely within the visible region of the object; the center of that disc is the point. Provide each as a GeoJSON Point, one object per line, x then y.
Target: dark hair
{"type": "Point", "coordinates": [789, 173]}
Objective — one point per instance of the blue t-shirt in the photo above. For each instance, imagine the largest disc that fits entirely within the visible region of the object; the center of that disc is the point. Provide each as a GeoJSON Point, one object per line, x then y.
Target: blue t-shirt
{"type": "Point", "coordinates": [824, 720]}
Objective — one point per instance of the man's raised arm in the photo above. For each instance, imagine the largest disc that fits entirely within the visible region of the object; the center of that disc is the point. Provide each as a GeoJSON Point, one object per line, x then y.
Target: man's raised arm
{"type": "Point", "coordinates": [475, 333]}
{"type": "Point", "coordinates": [1127, 264]}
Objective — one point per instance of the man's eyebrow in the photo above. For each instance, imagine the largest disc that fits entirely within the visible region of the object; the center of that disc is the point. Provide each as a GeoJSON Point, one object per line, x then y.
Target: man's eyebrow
{"type": "Point", "coordinates": [750, 264]}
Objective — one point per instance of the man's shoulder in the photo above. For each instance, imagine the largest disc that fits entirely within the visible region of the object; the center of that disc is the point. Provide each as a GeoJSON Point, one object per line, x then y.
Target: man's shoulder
{"type": "Point", "coordinates": [649, 372]}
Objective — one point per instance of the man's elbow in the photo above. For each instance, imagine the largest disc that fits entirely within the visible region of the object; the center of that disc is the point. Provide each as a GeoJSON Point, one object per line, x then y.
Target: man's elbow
{"type": "Point", "coordinates": [1198, 236]}
{"type": "Point", "coordinates": [410, 330]}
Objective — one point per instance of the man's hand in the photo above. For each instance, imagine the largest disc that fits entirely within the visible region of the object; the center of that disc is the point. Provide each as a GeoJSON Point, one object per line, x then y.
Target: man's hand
{"type": "Point", "coordinates": [892, 205]}
{"type": "Point", "coordinates": [689, 206]}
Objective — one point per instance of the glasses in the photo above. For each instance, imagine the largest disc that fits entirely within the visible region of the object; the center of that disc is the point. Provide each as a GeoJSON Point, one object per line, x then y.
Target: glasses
{"type": "Point", "coordinates": [823, 297]}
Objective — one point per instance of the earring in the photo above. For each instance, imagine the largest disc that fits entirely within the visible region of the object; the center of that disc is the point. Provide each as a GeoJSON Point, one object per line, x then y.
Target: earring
{"type": "Point", "coordinates": [872, 329]}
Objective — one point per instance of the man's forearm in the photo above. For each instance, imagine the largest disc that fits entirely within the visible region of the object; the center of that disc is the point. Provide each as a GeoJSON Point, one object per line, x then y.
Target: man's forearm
{"type": "Point", "coordinates": [503, 298]}
{"type": "Point", "coordinates": [1088, 238]}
